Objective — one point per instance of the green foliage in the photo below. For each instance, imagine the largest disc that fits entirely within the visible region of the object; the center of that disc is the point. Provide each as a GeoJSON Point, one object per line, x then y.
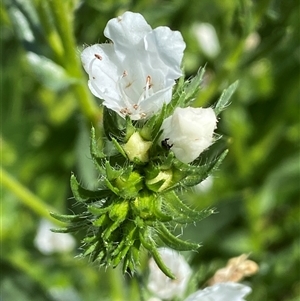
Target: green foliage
{"type": "Point", "coordinates": [46, 117]}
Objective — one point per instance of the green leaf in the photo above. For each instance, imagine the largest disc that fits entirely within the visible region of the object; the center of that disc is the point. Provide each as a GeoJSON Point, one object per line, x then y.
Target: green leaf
{"type": "Point", "coordinates": [223, 101]}
{"type": "Point", "coordinates": [68, 218]}
{"type": "Point", "coordinates": [149, 244]}
{"type": "Point", "coordinates": [153, 125]}
{"type": "Point", "coordinates": [192, 87]}
{"type": "Point", "coordinates": [114, 125]}
{"type": "Point", "coordinates": [196, 174]}
{"type": "Point", "coordinates": [182, 213]}
{"type": "Point", "coordinates": [82, 195]}
{"type": "Point", "coordinates": [49, 73]}
{"type": "Point", "coordinates": [173, 242]}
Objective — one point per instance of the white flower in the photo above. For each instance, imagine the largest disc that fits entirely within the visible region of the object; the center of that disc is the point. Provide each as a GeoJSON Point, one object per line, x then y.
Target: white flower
{"type": "Point", "coordinates": [134, 74]}
{"type": "Point", "coordinates": [189, 132]}
{"type": "Point", "coordinates": [48, 242]}
{"type": "Point", "coordinates": [207, 39]}
{"type": "Point", "coordinates": [204, 186]}
{"type": "Point", "coordinates": [228, 291]}
{"type": "Point", "coordinates": [161, 285]}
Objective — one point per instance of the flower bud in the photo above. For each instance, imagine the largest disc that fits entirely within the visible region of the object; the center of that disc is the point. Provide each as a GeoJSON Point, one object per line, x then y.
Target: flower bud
{"type": "Point", "coordinates": [136, 148]}
{"type": "Point", "coordinates": [161, 181]}
{"type": "Point", "coordinates": [189, 132]}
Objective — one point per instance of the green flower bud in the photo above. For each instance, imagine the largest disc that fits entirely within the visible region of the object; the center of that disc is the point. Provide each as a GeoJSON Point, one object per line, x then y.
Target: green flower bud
{"type": "Point", "coordinates": [137, 148]}
{"type": "Point", "coordinates": [143, 205]}
{"type": "Point", "coordinates": [161, 181]}
{"type": "Point", "coordinates": [130, 185]}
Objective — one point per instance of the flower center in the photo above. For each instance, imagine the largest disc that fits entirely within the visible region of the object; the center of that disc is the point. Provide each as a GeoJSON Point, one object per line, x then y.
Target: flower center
{"type": "Point", "coordinates": [127, 90]}
{"type": "Point", "coordinates": [133, 108]}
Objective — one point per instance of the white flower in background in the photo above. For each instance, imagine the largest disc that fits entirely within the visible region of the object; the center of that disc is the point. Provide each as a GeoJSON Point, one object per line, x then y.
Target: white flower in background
{"type": "Point", "coordinates": [189, 132]}
{"type": "Point", "coordinates": [228, 291]}
{"type": "Point", "coordinates": [252, 41]}
{"type": "Point", "coordinates": [207, 39]}
{"type": "Point", "coordinates": [48, 242]}
{"type": "Point", "coordinates": [134, 74]}
{"type": "Point", "coordinates": [161, 285]}
{"type": "Point", "coordinates": [204, 186]}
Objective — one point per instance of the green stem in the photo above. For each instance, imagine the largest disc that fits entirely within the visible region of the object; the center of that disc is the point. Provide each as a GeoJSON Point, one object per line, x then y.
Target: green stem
{"type": "Point", "coordinates": [42, 8]}
{"type": "Point", "coordinates": [27, 197]}
{"type": "Point", "coordinates": [117, 285]}
{"type": "Point", "coordinates": [63, 21]}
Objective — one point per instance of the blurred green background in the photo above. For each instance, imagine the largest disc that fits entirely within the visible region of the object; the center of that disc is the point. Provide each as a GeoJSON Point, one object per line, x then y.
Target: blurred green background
{"type": "Point", "coordinates": [47, 111]}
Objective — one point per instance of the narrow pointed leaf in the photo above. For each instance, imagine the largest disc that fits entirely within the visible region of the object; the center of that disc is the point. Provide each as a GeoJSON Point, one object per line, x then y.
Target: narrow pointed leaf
{"type": "Point", "coordinates": [173, 242]}
{"type": "Point", "coordinates": [223, 101]}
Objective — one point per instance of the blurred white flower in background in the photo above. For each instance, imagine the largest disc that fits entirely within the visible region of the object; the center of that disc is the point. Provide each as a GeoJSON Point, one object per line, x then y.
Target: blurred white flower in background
{"type": "Point", "coordinates": [48, 242]}
{"type": "Point", "coordinates": [227, 291]}
{"type": "Point", "coordinates": [252, 41]}
{"type": "Point", "coordinates": [161, 285]}
{"type": "Point", "coordinates": [235, 270]}
{"type": "Point", "coordinates": [205, 185]}
{"type": "Point", "coordinates": [134, 74]}
{"type": "Point", "coordinates": [154, 299]}
{"type": "Point", "coordinates": [207, 39]}
{"type": "Point", "coordinates": [189, 132]}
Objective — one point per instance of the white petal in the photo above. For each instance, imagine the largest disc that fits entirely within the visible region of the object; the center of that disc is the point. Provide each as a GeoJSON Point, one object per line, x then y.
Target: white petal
{"type": "Point", "coordinates": [221, 292]}
{"type": "Point", "coordinates": [101, 64]}
{"type": "Point", "coordinates": [161, 285]}
{"type": "Point", "coordinates": [127, 30]}
{"type": "Point", "coordinates": [168, 46]}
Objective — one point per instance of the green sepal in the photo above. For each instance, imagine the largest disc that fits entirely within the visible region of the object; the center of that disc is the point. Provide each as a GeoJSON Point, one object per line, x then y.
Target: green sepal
{"type": "Point", "coordinates": [155, 186]}
{"type": "Point", "coordinates": [68, 218]}
{"type": "Point", "coordinates": [83, 195]}
{"type": "Point", "coordinates": [114, 125]}
{"type": "Point", "coordinates": [149, 244]}
{"type": "Point", "coordinates": [119, 148]}
{"type": "Point", "coordinates": [183, 214]}
{"type": "Point", "coordinates": [73, 228]}
{"type": "Point", "coordinates": [186, 92]}
{"type": "Point", "coordinates": [223, 101]}
{"type": "Point", "coordinates": [98, 156]}
{"type": "Point", "coordinates": [111, 187]}
{"type": "Point", "coordinates": [119, 210]}
{"type": "Point", "coordinates": [132, 258]}
{"type": "Point", "coordinates": [196, 174]}
{"type": "Point", "coordinates": [153, 125]}
{"type": "Point", "coordinates": [101, 221]}
{"type": "Point", "coordinates": [123, 249]}
{"type": "Point", "coordinates": [173, 242]}
{"type": "Point", "coordinates": [192, 87]}
{"type": "Point", "coordinates": [130, 128]}
{"type": "Point", "coordinates": [130, 230]}
{"type": "Point", "coordinates": [111, 172]}
{"type": "Point", "coordinates": [94, 149]}
{"type": "Point", "coordinates": [99, 210]}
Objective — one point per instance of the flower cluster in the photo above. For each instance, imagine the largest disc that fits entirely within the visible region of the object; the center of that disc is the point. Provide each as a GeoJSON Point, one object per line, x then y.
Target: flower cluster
{"type": "Point", "coordinates": [154, 146]}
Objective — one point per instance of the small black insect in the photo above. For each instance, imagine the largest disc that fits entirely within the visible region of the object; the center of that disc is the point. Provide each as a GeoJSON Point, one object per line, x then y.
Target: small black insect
{"type": "Point", "coordinates": [165, 144]}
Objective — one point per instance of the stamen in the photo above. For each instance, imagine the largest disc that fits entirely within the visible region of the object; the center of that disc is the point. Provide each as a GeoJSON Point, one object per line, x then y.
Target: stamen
{"type": "Point", "coordinates": [98, 56]}
{"type": "Point", "coordinates": [148, 86]}
{"type": "Point", "coordinates": [125, 111]}
{"type": "Point", "coordinates": [135, 106]}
